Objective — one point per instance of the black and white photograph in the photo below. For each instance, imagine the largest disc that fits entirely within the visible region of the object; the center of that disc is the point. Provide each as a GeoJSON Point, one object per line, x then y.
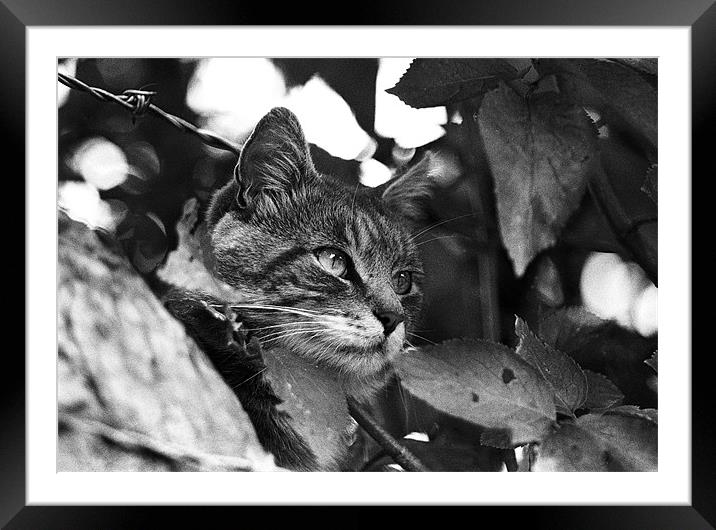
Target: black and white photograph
{"type": "Point", "coordinates": [372, 264]}
{"type": "Point", "coordinates": [405, 255]}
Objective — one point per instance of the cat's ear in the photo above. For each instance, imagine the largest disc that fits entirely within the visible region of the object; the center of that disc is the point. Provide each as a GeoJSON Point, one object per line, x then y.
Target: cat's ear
{"type": "Point", "coordinates": [409, 192]}
{"type": "Point", "coordinates": [274, 159]}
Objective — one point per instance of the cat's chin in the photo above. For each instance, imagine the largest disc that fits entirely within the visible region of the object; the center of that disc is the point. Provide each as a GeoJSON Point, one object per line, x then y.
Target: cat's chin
{"type": "Point", "coordinates": [362, 361]}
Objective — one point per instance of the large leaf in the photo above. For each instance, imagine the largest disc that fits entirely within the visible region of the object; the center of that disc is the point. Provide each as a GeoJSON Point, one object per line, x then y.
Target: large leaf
{"type": "Point", "coordinates": [436, 82]}
{"type": "Point", "coordinates": [540, 151]}
{"type": "Point", "coordinates": [482, 382]}
{"type": "Point", "coordinates": [609, 442]}
{"type": "Point", "coordinates": [558, 369]}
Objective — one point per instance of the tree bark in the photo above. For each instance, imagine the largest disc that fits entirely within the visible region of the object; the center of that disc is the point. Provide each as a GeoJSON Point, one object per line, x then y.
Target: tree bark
{"type": "Point", "coordinates": [135, 393]}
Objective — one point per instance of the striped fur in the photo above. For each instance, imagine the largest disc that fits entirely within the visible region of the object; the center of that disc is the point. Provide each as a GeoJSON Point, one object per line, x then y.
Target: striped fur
{"type": "Point", "coordinates": [266, 226]}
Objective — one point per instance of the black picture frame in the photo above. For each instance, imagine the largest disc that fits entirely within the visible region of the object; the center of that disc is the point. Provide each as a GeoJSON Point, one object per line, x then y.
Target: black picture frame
{"type": "Point", "coordinates": [17, 15]}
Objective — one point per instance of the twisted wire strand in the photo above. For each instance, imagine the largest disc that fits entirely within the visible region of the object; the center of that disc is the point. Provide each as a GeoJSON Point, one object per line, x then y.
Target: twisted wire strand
{"type": "Point", "coordinates": [138, 102]}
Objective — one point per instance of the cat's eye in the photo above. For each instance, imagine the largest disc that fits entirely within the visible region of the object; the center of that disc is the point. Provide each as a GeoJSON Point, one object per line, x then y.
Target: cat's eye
{"type": "Point", "coordinates": [333, 260]}
{"type": "Point", "coordinates": [402, 282]}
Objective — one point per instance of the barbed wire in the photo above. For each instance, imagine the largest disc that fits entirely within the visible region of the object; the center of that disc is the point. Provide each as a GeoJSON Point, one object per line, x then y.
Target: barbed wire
{"type": "Point", "coordinates": [139, 103]}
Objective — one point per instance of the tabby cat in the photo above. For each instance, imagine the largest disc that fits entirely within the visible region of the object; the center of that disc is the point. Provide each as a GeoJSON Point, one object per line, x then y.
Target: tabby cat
{"type": "Point", "coordinates": [327, 271]}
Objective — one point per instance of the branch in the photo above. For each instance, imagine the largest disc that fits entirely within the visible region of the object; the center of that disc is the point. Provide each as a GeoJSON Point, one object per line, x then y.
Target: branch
{"type": "Point", "coordinates": [390, 445]}
{"type": "Point", "coordinates": [638, 236]}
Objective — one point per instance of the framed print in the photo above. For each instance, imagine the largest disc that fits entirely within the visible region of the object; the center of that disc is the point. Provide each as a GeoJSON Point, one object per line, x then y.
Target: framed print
{"type": "Point", "coordinates": [426, 247]}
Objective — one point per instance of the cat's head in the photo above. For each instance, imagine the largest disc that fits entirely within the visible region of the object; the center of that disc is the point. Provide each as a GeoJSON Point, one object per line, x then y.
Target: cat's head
{"type": "Point", "coordinates": [328, 270]}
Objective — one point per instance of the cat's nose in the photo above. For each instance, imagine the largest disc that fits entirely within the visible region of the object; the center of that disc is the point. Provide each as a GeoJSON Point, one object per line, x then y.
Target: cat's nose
{"type": "Point", "coordinates": [389, 319]}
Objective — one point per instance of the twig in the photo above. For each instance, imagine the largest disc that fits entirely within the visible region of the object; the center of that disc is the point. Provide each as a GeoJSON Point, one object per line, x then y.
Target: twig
{"type": "Point", "coordinates": [480, 198]}
{"type": "Point", "coordinates": [390, 445]}
{"type": "Point", "coordinates": [638, 236]}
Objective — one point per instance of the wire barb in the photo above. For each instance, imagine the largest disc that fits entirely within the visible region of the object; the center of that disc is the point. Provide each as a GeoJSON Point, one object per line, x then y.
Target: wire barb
{"type": "Point", "coordinates": [139, 103]}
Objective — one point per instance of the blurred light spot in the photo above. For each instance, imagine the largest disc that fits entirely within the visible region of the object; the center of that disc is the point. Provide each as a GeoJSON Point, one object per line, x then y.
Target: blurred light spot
{"type": "Point", "coordinates": [100, 162]}
{"type": "Point", "coordinates": [394, 119]}
{"type": "Point", "coordinates": [417, 436]}
{"type": "Point", "coordinates": [233, 94]}
{"type": "Point", "coordinates": [611, 289]}
{"type": "Point", "coordinates": [328, 121]}
{"type": "Point", "coordinates": [644, 312]}
{"type": "Point", "coordinates": [68, 67]}
{"type": "Point", "coordinates": [373, 173]}
{"type": "Point", "coordinates": [447, 168]}
{"type": "Point", "coordinates": [402, 155]}
{"type": "Point", "coordinates": [81, 202]}
{"type": "Point", "coordinates": [456, 118]}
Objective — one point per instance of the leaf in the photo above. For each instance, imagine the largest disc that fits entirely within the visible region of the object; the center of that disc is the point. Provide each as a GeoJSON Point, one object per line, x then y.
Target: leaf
{"type": "Point", "coordinates": [144, 239]}
{"type": "Point", "coordinates": [609, 442]}
{"type": "Point", "coordinates": [653, 362]}
{"type": "Point", "coordinates": [619, 91]}
{"type": "Point", "coordinates": [314, 400]}
{"type": "Point", "coordinates": [547, 283]}
{"type": "Point", "coordinates": [647, 66]}
{"type": "Point", "coordinates": [189, 265]}
{"type": "Point", "coordinates": [540, 152]}
{"type": "Point", "coordinates": [437, 82]}
{"type": "Point", "coordinates": [633, 410]}
{"type": "Point", "coordinates": [602, 393]}
{"type": "Point", "coordinates": [559, 370]}
{"type": "Point", "coordinates": [482, 382]}
{"type": "Point", "coordinates": [570, 328]}
{"type": "Point", "coordinates": [650, 186]}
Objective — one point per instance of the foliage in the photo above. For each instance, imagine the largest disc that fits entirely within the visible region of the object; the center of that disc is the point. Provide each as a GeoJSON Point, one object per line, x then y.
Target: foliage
{"type": "Point", "coordinates": [555, 158]}
{"type": "Point", "coordinates": [534, 395]}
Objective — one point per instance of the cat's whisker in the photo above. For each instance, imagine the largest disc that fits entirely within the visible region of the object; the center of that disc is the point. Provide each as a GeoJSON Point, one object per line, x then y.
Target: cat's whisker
{"type": "Point", "coordinates": [250, 378]}
{"type": "Point", "coordinates": [269, 306]}
{"type": "Point", "coordinates": [316, 327]}
{"type": "Point", "coordinates": [421, 337]}
{"type": "Point", "coordinates": [284, 325]}
{"type": "Point", "coordinates": [258, 303]}
{"type": "Point", "coordinates": [436, 238]}
{"type": "Point", "coordinates": [353, 202]}
{"type": "Point", "coordinates": [291, 334]}
{"type": "Point", "coordinates": [425, 230]}
{"type": "Point", "coordinates": [295, 311]}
